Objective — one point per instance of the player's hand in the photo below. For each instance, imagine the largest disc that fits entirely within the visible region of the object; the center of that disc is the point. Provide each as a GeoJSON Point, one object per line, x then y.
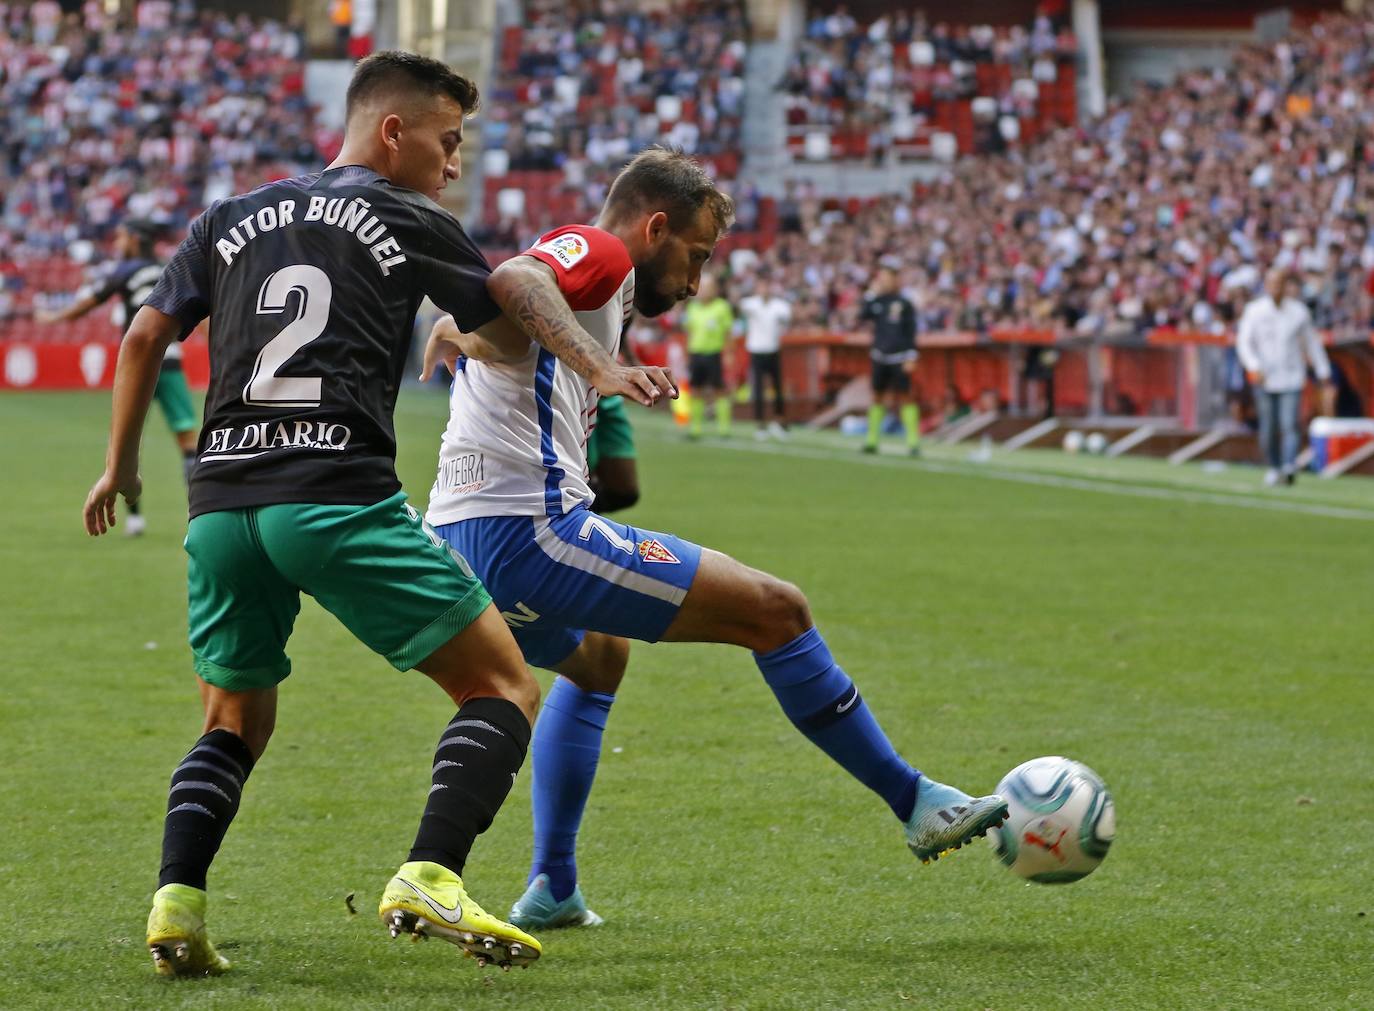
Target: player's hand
{"type": "Point", "coordinates": [442, 346]}
{"type": "Point", "coordinates": [99, 512]}
{"type": "Point", "coordinates": [909, 366]}
{"type": "Point", "coordinates": [1328, 398]}
{"type": "Point", "coordinates": [1254, 377]}
{"type": "Point", "coordinates": [642, 384]}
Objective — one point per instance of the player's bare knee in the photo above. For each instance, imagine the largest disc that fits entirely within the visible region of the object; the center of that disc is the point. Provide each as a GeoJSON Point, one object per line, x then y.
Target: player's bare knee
{"type": "Point", "coordinates": [613, 656]}
{"type": "Point", "coordinates": [607, 667]}
{"type": "Point", "coordinates": [784, 614]}
{"type": "Point", "coordinates": [524, 693]}
{"type": "Point", "coordinates": [251, 716]}
{"type": "Point", "coordinates": [515, 684]}
{"type": "Point", "coordinates": [794, 612]}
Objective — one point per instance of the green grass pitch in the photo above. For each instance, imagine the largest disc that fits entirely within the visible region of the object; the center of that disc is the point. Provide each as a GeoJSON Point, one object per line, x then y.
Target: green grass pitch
{"type": "Point", "coordinates": [1203, 645]}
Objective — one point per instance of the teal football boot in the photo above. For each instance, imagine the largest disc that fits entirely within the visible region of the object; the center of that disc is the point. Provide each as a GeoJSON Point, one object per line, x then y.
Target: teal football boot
{"type": "Point", "coordinates": [537, 910]}
{"type": "Point", "coordinates": [945, 819]}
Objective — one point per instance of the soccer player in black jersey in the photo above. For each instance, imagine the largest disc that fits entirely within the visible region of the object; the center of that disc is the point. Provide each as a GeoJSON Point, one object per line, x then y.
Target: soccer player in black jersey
{"type": "Point", "coordinates": [132, 277]}
{"type": "Point", "coordinates": [894, 359]}
{"type": "Point", "coordinates": [311, 285]}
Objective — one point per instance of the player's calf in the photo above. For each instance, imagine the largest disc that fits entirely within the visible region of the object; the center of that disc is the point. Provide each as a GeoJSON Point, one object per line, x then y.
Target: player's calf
{"type": "Point", "coordinates": [566, 749]}
{"type": "Point", "coordinates": [250, 716]}
{"type": "Point", "coordinates": [475, 764]}
{"type": "Point", "coordinates": [729, 602]}
{"type": "Point", "coordinates": [201, 804]}
{"type": "Point", "coordinates": [825, 705]}
{"type": "Point", "coordinates": [598, 664]}
{"type": "Point", "coordinates": [483, 661]}
{"type": "Point", "coordinates": [481, 750]}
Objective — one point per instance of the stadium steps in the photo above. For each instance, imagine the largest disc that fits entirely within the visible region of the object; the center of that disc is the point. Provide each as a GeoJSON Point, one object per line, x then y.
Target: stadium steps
{"type": "Point", "coordinates": [764, 128]}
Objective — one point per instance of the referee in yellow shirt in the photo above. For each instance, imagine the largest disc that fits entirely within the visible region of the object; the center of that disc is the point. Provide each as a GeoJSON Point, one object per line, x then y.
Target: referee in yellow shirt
{"type": "Point", "coordinates": [708, 321]}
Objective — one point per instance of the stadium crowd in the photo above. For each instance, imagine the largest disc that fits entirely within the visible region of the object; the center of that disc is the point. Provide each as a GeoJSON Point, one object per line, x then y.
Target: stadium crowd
{"type": "Point", "coordinates": [876, 82]}
{"type": "Point", "coordinates": [153, 119]}
{"type": "Point", "coordinates": [581, 87]}
{"type": "Point", "coordinates": [1163, 212]}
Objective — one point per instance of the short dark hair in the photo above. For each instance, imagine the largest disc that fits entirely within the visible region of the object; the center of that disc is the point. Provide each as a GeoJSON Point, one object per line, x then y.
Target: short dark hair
{"type": "Point", "coordinates": [146, 232]}
{"type": "Point", "coordinates": [393, 69]}
{"type": "Point", "coordinates": [665, 179]}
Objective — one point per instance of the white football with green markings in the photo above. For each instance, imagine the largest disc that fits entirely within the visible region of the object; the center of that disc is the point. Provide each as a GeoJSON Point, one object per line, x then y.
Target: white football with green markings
{"type": "Point", "coordinates": [1061, 820]}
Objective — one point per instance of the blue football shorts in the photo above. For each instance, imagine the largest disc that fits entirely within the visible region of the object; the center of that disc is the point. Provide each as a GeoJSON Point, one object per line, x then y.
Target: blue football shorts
{"type": "Point", "coordinates": [556, 577]}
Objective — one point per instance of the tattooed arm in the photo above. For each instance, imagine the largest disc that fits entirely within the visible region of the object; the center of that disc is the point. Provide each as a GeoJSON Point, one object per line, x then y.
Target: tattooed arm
{"type": "Point", "coordinates": [528, 293]}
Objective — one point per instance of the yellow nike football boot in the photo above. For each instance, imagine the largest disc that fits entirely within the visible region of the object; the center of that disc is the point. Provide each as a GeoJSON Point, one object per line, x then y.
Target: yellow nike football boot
{"type": "Point", "coordinates": [176, 934]}
{"type": "Point", "coordinates": [427, 899]}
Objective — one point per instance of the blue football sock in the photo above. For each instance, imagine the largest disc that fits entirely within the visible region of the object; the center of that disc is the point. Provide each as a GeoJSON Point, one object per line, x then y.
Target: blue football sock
{"type": "Point", "coordinates": [825, 705]}
{"type": "Point", "coordinates": [565, 749]}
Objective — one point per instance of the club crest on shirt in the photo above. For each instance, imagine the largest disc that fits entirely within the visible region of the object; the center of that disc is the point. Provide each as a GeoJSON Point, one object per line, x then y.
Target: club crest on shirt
{"type": "Point", "coordinates": [654, 550]}
{"type": "Point", "coordinates": [566, 249]}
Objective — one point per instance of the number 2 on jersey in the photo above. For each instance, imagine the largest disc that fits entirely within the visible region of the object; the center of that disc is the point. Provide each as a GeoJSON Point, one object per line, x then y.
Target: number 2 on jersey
{"type": "Point", "coordinates": [265, 388]}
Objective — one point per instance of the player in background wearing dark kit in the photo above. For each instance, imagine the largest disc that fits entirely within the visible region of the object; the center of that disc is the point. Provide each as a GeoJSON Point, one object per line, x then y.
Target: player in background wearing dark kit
{"type": "Point", "coordinates": [575, 585]}
{"type": "Point", "coordinates": [894, 359]}
{"type": "Point", "coordinates": [614, 474]}
{"type": "Point", "coordinates": [132, 277]}
{"type": "Point", "coordinates": [312, 285]}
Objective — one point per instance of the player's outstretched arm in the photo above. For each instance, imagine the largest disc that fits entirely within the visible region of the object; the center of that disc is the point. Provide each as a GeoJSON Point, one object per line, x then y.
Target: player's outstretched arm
{"type": "Point", "coordinates": [136, 372]}
{"type": "Point", "coordinates": [498, 341]}
{"type": "Point", "coordinates": [76, 310]}
{"type": "Point", "coordinates": [527, 291]}
{"type": "Point", "coordinates": [442, 347]}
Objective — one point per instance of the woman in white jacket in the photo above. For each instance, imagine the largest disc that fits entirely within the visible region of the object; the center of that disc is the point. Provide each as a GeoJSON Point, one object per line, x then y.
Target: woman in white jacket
{"type": "Point", "coordinates": [1275, 342]}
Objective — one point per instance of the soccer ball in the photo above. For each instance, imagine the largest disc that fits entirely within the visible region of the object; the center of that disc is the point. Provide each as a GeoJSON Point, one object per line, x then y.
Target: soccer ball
{"type": "Point", "coordinates": [1073, 441]}
{"type": "Point", "coordinates": [1060, 823]}
{"type": "Point", "coordinates": [1095, 443]}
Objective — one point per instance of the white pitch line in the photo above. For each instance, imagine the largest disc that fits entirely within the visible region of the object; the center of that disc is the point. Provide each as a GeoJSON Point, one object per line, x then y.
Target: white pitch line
{"type": "Point", "coordinates": [1054, 480]}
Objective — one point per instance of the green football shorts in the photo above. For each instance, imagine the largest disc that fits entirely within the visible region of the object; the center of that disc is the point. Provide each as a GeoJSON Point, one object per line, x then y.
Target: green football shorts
{"type": "Point", "coordinates": [612, 437]}
{"type": "Point", "coordinates": [379, 569]}
{"type": "Point", "coordinates": [174, 397]}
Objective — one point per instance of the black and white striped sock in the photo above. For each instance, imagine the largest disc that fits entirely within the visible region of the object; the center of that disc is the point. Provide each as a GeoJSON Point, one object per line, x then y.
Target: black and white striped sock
{"type": "Point", "coordinates": [204, 798]}
{"type": "Point", "coordinates": [479, 753]}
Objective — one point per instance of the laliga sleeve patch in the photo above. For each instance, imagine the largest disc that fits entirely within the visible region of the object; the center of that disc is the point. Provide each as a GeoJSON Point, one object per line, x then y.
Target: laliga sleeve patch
{"type": "Point", "coordinates": [567, 248]}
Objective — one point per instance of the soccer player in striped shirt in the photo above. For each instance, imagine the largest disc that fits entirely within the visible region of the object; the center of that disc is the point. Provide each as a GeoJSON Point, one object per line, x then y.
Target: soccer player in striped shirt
{"type": "Point", "coordinates": [511, 495]}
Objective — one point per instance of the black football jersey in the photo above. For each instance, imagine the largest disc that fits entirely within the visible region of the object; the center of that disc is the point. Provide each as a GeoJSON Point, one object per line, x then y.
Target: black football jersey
{"type": "Point", "coordinates": [311, 286]}
{"type": "Point", "coordinates": [894, 327]}
{"type": "Point", "coordinates": [133, 280]}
